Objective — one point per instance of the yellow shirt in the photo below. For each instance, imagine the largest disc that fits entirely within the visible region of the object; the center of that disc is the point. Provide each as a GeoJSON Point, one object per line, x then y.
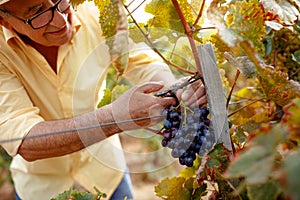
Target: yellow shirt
{"type": "Point", "coordinates": [30, 92]}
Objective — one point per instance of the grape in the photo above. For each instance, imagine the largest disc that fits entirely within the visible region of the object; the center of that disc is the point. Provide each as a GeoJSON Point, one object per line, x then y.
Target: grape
{"type": "Point", "coordinates": [185, 140]}
{"type": "Point", "coordinates": [167, 124]}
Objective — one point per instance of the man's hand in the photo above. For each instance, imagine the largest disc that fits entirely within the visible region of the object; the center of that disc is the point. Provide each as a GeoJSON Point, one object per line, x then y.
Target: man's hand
{"type": "Point", "coordinates": [193, 95]}
{"type": "Point", "coordinates": [139, 104]}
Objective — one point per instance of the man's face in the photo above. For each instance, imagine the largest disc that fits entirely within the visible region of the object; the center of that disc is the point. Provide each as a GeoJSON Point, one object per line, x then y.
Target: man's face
{"type": "Point", "coordinates": [56, 33]}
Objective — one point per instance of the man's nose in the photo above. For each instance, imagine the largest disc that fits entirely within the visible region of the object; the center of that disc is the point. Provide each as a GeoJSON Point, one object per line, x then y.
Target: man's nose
{"type": "Point", "coordinates": [59, 19]}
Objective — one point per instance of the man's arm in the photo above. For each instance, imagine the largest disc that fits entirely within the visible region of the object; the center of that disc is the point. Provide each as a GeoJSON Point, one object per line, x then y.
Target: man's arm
{"type": "Point", "coordinates": [136, 103]}
{"type": "Point", "coordinates": [70, 141]}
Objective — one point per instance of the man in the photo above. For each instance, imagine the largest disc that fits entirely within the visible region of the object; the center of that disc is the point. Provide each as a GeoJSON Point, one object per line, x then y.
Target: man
{"type": "Point", "coordinates": [53, 62]}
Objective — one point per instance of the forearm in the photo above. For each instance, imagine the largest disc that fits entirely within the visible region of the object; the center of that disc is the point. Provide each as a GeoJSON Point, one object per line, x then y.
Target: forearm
{"type": "Point", "coordinates": [77, 138]}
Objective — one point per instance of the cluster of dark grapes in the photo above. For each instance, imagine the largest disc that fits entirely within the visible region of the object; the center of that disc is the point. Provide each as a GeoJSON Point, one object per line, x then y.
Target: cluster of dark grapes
{"type": "Point", "coordinates": [187, 135]}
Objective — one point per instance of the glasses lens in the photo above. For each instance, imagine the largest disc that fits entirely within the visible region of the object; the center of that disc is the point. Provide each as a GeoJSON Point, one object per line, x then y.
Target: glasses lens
{"type": "Point", "coordinates": [46, 17]}
{"type": "Point", "coordinates": [42, 20]}
{"type": "Point", "coordinates": [63, 6]}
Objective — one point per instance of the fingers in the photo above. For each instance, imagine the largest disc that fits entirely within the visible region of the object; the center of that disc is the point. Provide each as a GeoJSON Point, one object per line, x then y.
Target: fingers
{"type": "Point", "coordinates": [167, 101]}
{"type": "Point", "coordinates": [151, 87]}
{"type": "Point", "coordinates": [193, 95]}
{"type": "Point", "coordinates": [199, 102]}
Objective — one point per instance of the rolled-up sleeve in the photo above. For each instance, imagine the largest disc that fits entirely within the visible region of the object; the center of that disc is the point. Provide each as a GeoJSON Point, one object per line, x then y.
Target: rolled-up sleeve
{"type": "Point", "coordinates": [17, 113]}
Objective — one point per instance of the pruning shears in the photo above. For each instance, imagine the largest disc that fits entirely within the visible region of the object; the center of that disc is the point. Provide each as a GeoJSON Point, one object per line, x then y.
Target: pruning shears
{"type": "Point", "coordinates": [170, 92]}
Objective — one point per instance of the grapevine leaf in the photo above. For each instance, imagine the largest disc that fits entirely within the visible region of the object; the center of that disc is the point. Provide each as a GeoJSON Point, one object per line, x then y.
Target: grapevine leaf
{"type": "Point", "coordinates": [199, 192]}
{"type": "Point", "coordinates": [261, 191]}
{"type": "Point", "coordinates": [275, 84]}
{"type": "Point", "coordinates": [161, 11]}
{"type": "Point", "coordinates": [274, 25]}
{"type": "Point", "coordinates": [218, 158]}
{"type": "Point", "coordinates": [291, 119]}
{"type": "Point", "coordinates": [111, 95]}
{"type": "Point", "coordinates": [291, 175]}
{"type": "Point", "coordinates": [214, 162]}
{"type": "Point", "coordinates": [220, 47]}
{"type": "Point", "coordinates": [75, 3]}
{"type": "Point", "coordinates": [248, 22]}
{"type": "Point", "coordinates": [215, 15]}
{"type": "Point", "coordinates": [79, 195]}
{"type": "Point", "coordinates": [277, 88]}
{"type": "Point", "coordinates": [172, 189]}
{"type": "Point", "coordinates": [118, 90]}
{"type": "Point", "coordinates": [106, 99]}
{"type": "Point", "coordinates": [244, 22]}
{"type": "Point", "coordinates": [255, 165]}
{"type": "Point", "coordinates": [268, 43]}
{"type": "Point", "coordinates": [191, 171]}
{"type": "Point", "coordinates": [165, 18]}
{"type": "Point", "coordinates": [251, 115]}
{"type": "Point", "coordinates": [114, 26]}
{"type": "Point", "coordinates": [242, 63]}
{"type": "Point", "coordinates": [239, 137]}
{"type": "Point", "coordinates": [296, 56]}
{"type": "Point", "coordinates": [286, 11]}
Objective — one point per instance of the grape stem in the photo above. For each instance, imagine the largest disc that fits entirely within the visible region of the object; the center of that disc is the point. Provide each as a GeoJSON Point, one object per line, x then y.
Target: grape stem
{"type": "Point", "coordinates": [153, 131]}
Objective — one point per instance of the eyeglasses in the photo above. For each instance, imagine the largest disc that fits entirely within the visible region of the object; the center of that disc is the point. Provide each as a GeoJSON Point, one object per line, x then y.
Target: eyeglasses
{"type": "Point", "coordinates": [44, 18]}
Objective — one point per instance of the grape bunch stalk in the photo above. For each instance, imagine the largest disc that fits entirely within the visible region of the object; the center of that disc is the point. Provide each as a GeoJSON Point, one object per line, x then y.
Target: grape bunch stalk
{"type": "Point", "coordinates": [186, 134]}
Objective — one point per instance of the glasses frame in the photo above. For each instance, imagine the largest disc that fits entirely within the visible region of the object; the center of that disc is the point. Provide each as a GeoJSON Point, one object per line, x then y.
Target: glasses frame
{"type": "Point", "coordinates": [29, 21]}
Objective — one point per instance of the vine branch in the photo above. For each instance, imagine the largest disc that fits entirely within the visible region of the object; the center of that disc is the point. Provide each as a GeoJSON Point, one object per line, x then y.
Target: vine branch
{"type": "Point", "coordinates": [152, 45]}
{"type": "Point", "coordinates": [200, 14]}
{"type": "Point", "coordinates": [188, 32]}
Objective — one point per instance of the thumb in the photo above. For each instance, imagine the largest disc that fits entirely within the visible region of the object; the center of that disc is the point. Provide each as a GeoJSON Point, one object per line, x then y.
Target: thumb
{"type": "Point", "coordinates": [151, 87]}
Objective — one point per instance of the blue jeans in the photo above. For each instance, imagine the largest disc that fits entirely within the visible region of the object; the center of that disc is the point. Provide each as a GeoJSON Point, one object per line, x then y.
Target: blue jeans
{"type": "Point", "coordinates": [123, 190]}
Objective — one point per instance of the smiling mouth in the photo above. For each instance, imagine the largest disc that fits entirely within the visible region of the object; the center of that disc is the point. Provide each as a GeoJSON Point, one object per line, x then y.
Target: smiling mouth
{"type": "Point", "coordinates": [59, 32]}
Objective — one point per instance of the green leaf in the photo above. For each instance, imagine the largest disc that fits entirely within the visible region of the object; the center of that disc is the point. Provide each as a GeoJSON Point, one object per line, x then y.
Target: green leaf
{"type": "Point", "coordinates": [172, 189]}
{"type": "Point", "coordinates": [191, 171]}
{"type": "Point", "coordinates": [266, 191]}
{"type": "Point", "coordinates": [75, 3]}
{"type": "Point", "coordinates": [218, 158]}
{"type": "Point", "coordinates": [106, 99]}
{"type": "Point", "coordinates": [268, 43]}
{"type": "Point", "coordinates": [79, 195]}
{"type": "Point", "coordinates": [291, 119]}
{"type": "Point", "coordinates": [296, 56]}
{"type": "Point", "coordinates": [118, 90]}
{"type": "Point", "coordinates": [277, 87]}
{"type": "Point", "coordinates": [214, 162]}
{"type": "Point", "coordinates": [291, 174]}
{"type": "Point", "coordinates": [255, 165]}
{"type": "Point", "coordinates": [238, 21]}
{"type": "Point", "coordinates": [270, 140]}
{"type": "Point", "coordinates": [114, 27]}
{"type": "Point", "coordinates": [199, 192]}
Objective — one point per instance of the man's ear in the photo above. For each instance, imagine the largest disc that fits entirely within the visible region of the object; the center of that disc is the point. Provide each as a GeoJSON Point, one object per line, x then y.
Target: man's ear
{"type": "Point", "coordinates": [4, 23]}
